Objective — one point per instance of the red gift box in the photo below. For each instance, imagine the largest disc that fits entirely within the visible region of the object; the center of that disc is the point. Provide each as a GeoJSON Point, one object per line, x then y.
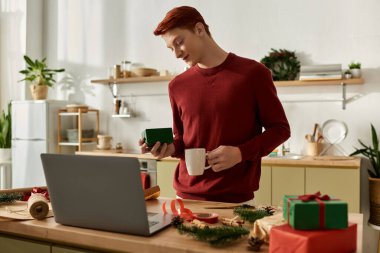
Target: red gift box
{"type": "Point", "coordinates": [285, 239]}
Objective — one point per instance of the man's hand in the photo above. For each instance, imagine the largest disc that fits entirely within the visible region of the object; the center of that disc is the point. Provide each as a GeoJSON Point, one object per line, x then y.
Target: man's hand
{"type": "Point", "coordinates": [158, 150]}
{"type": "Point", "coordinates": [224, 157]}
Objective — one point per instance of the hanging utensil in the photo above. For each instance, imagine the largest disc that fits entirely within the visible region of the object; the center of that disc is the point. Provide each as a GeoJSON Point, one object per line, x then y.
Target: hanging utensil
{"type": "Point", "coordinates": [313, 137]}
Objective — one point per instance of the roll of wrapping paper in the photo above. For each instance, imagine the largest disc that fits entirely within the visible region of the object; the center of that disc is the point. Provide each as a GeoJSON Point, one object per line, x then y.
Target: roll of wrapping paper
{"type": "Point", "coordinates": [38, 206]}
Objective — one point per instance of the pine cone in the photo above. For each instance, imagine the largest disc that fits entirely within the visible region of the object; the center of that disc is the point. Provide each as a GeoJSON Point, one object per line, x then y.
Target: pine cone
{"type": "Point", "coordinates": [255, 244]}
{"type": "Point", "coordinates": [270, 210]}
{"type": "Point", "coordinates": [176, 221]}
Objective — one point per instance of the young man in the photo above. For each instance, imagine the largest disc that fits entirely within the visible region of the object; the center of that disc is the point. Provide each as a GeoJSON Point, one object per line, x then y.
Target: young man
{"type": "Point", "coordinates": [221, 103]}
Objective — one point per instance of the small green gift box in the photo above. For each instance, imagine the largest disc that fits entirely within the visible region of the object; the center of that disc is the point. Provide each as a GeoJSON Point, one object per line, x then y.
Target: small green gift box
{"type": "Point", "coordinates": [314, 211]}
{"type": "Point", "coordinates": [153, 135]}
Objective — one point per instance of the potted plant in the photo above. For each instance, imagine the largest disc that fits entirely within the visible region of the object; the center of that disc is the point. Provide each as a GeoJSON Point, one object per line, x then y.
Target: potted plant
{"type": "Point", "coordinates": [39, 76]}
{"type": "Point", "coordinates": [5, 135]}
{"type": "Point", "coordinates": [347, 74]}
{"type": "Point", "coordinates": [373, 154]}
{"type": "Point", "coordinates": [355, 69]}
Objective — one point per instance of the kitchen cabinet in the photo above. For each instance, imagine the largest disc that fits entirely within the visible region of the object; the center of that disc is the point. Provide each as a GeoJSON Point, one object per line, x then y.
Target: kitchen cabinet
{"type": "Point", "coordinates": [79, 117]}
{"type": "Point", "coordinates": [13, 245]}
{"type": "Point", "coordinates": [10, 244]}
{"type": "Point", "coordinates": [264, 194]}
{"type": "Point", "coordinates": [287, 181]}
{"type": "Point", "coordinates": [339, 183]}
{"type": "Point", "coordinates": [59, 249]}
{"type": "Point", "coordinates": [165, 174]}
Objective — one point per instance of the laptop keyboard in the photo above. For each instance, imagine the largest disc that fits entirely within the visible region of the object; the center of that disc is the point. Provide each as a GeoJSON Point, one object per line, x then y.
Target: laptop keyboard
{"type": "Point", "coordinates": [152, 223]}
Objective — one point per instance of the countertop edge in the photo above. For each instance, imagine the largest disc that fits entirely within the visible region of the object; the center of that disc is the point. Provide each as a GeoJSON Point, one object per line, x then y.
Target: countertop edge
{"type": "Point", "coordinates": [306, 161]}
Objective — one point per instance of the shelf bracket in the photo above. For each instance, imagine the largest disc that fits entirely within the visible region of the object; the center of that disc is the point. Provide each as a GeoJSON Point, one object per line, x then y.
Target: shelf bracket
{"type": "Point", "coordinates": [344, 95]}
{"type": "Point", "coordinates": [113, 88]}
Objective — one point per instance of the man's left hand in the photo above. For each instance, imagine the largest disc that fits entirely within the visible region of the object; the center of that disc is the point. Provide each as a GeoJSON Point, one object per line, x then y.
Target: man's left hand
{"type": "Point", "coordinates": [224, 157]}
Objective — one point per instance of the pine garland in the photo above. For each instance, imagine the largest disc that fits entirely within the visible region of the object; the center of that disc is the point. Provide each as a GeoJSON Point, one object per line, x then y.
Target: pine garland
{"type": "Point", "coordinates": [8, 198]}
{"type": "Point", "coordinates": [252, 215]}
{"type": "Point", "coordinates": [215, 236]}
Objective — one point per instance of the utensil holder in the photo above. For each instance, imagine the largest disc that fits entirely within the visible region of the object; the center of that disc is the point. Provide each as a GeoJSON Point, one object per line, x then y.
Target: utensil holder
{"type": "Point", "coordinates": [313, 148]}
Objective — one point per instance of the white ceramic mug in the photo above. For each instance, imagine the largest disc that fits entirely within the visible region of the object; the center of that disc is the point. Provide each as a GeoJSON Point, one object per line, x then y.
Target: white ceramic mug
{"type": "Point", "coordinates": [195, 161]}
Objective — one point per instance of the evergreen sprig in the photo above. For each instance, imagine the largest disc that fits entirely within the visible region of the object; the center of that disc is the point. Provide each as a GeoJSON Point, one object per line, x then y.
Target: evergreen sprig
{"type": "Point", "coordinates": [215, 236]}
{"type": "Point", "coordinates": [252, 215]}
{"type": "Point", "coordinates": [7, 198]}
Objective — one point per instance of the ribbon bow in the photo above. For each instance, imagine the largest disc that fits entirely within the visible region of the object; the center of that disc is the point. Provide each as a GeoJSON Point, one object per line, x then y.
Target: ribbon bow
{"type": "Point", "coordinates": [316, 196]}
{"type": "Point", "coordinates": [187, 214]}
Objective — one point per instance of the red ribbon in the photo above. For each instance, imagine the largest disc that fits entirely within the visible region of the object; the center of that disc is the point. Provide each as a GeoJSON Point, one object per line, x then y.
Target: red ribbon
{"type": "Point", "coordinates": [319, 198]}
{"type": "Point", "coordinates": [315, 196]}
{"type": "Point", "coordinates": [45, 193]}
{"type": "Point", "coordinates": [187, 214]}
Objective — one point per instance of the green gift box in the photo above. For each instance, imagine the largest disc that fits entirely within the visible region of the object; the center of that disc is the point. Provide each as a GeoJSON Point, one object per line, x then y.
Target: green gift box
{"type": "Point", "coordinates": [153, 135]}
{"type": "Point", "coordinates": [307, 212]}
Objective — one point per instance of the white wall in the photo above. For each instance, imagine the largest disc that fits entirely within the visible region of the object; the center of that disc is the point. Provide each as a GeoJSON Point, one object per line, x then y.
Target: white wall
{"type": "Point", "coordinates": [87, 37]}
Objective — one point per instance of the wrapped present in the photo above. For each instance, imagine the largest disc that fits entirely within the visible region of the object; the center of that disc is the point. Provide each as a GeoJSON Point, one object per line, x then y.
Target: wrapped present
{"type": "Point", "coordinates": [315, 211]}
{"type": "Point", "coordinates": [285, 239]}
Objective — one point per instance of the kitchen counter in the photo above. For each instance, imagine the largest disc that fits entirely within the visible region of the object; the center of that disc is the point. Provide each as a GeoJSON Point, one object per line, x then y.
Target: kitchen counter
{"type": "Point", "coordinates": [318, 161]}
{"type": "Point", "coordinates": [113, 152]}
{"type": "Point", "coordinates": [168, 240]}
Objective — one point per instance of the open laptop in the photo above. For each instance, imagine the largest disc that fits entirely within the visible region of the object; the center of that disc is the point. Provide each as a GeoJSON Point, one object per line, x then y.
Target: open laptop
{"type": "Point", "coordinates": [100, 192]}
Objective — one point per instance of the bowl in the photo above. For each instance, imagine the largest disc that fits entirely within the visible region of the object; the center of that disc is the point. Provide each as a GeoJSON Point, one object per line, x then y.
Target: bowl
{"type": "Point", "coordinates": [144, 72]}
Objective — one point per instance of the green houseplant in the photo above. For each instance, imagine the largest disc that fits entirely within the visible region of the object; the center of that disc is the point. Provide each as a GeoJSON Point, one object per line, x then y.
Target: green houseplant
{"type": "Point", "coordinates": [39, 76]}
{"type": "Point", "coordinates": [355, 69]}
{"type": "Point", "coordinates": [373, 154]}
{"type": "Point", "coordinates": [5, 134]}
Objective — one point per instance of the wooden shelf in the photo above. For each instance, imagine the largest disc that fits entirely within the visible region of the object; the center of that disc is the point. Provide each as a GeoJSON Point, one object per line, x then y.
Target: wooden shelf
{"type": "Point", "coordinates": [121, 116]}
{"type": "Point", "coordinates": [78, 116]}
{"type": "Point", "coordinates": [277, 83]}
{"type": "Point", "coordinates": [295, 83]}
{"type": "Point", "coordinates": [146, 79]}
{"type": "Point", "coordinates": [316, 83]}
{"type": "Point", "coordinates": [64, 143]}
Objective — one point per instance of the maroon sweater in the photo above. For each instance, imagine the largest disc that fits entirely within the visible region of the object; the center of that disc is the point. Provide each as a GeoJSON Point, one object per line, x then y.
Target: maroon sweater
{"type": "Point", "coordinates": [226, 105]}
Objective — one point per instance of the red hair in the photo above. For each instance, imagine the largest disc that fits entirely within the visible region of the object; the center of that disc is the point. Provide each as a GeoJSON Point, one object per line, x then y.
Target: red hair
{"type": "Point", "coordinates": [181, 17]}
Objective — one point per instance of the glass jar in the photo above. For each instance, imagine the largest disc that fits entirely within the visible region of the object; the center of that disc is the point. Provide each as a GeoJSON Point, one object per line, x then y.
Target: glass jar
{"type": "Point", "coordinates": [126, 69]}
{"type": "Point", "coordinates": [116, 71]}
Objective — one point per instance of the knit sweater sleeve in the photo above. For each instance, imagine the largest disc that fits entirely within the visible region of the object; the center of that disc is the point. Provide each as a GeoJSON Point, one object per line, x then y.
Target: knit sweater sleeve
{"type": "Point", "coordinates": [177, 126]}
{"type": "Point", "coordinates": [272, 116]}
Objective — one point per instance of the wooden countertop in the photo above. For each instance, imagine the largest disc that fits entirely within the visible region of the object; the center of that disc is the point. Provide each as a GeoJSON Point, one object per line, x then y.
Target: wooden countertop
{"type": "Point", "coordinates": [305, 161]}
{"type": "Point", "coordinates": [123, 154]}
{"type": "Point", "coordinates": [168, 240]}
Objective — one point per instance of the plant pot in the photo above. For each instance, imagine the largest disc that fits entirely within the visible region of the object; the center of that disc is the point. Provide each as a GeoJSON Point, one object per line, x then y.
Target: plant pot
{"type": "Point", "coordinates": [356, 73]}
{"type": "Point", "coordinates": [39, 92]}
{"type": "Point", "coordinates": [5, 154]}
{"type": "Point", "coordinates": [374, 201]}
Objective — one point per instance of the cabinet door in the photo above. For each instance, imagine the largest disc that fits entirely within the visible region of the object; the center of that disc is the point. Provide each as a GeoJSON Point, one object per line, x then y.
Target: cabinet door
{"type": "Point", "coordinates": [165, 174]}
{"type": "Point", "coordinates": [13, 245]}
{"type": "Point", "coordinates": [287, 181]}
{"type": "Point", "coordinates": [263, 196]}
{"type": "Point", "coordinates": [59, 249]}
{"type": "Point", "coordinates": [336, 182]}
